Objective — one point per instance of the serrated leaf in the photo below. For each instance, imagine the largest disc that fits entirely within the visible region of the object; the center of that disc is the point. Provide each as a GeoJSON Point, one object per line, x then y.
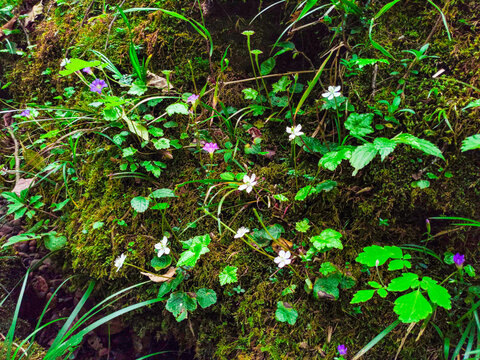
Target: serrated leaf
{"type": "Point", "coordinates": [359, 125]}
{"type": "Point", "coordinates": [437, 293]}
{"type": "Point", "coordinates": [420, 144]}
{"type": "Point", "coordinates": [412, 307]}
{"type": "Point", "coordinates": [302, 226]}
{"type": "Point", "coordinates": [179, 304]}
{"type": "Point", "coordinates": [137, 89]}
{"type": "Point", "coordinates": [471, 143]}
{"type": "Point", "coordinates": [362, 156]}
{"type": "Point", "coordinates": [157, 132]}
{"type": "Point", "coordinates": [404, 282]}
{"type": "Point", "coordinates": [228, 275]}
{"type": "Point", "coordinates": [206, 297]}
{"type": "Point", "coordinates": [328, 239]}
{"type": "Point", "coordinates": [289, 290]}
{"type": "Point", "coordinates": [177, 108]}
{"type": "Point", "coordinates": [327, 268]}
{"type": "Point", "coordinates": [362, 296]}
{"type": "Point", "coordinates": [326, 287]}
{"type": "Point", "coordinates": [140, 204]}
{"type": "Point", "coordinates": [196, 246]}
{"type": "Point", "coordinates": [384, 146]}
{"type": "Point", "coordinates": [332, 159]}
{"type": "Point", "coordinates": [161, 144]}
{"type": "Point", "coordinates": [250, 94]}
{"type": "Point", "coordinates": [163, 193]}
{"type": "Point", "coordinates": [281, 85]}
{"type": "Point", "coordinates": [286, 313]}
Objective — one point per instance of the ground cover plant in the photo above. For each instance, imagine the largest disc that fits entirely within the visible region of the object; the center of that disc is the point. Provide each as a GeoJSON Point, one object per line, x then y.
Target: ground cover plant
{"type": "Point", "coordinates": [249, 179]}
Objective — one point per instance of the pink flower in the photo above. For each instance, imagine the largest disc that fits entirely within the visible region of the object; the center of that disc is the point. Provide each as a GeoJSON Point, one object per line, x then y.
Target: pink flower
{"type": "Point", "coordinates": [192, 99]}
{"type": "Point", "coordinates": [97, 85]}
{"type": "Point", "coordinates": [88, 71]}
{"type": "Point", "coordinates": [210, 147]}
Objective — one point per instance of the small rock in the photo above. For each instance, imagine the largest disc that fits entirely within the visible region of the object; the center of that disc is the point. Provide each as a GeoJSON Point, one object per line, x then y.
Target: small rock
{"type": "Point", "coordinates": [5, 230]}
{"type": "Point", "coordinates": [31, 249]}
{"type": "Point", "coordinates": [32, 243]}
{"type": "Point", "coordinates": [40, 286]}
{"type": "Point", "coordinates": [17, 222]}
{"type": "Point", "coordinates": [21, 247]}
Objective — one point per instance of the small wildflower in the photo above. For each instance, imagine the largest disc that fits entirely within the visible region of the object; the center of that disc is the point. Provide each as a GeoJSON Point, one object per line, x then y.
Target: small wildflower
{"type": "Point", "coordinates": [294, 132]}
{"type": "Point", "coordinates": [210, 147]}
{"type": "Point", "coordinates": [342, 349]}
{"type": "Point", "coordinates": [64, 62]}
{"type": "Point", "coordinates": [162, 247]}
{"type": "Point", "coordinates": [332, 92]}
{"type": "Point", "coordinates": [97, 85]}
{"type": "Point", "coordinates": [459, 259]}
{"type": "Point", "coordinates": [192, 99]}
{"type": "Point", "coordinates": [283, 258]}
{"type": "Point", "coordinates": [119, 261]}
{"type": "Point", "coordinates": [88, 70]}
{"type": "Point", "coordinates": [248, 183]}
{"type": "Point", "coordinates": [25, 113]}
{"type": "Point", "coordinates": [241, 232]}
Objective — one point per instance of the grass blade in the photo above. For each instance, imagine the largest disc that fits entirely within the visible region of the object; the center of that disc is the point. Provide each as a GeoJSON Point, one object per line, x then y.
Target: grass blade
{"type": "Point", "coordinates": [376, 340]}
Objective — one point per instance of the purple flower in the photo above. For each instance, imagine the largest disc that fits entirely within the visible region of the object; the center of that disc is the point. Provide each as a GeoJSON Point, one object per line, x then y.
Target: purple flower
{"type": "Point", "coordinates": [88, 70]}
{"type": "Point", "coordinates": [342, 349]}
{"type": "Point", "coordinates": [458, 259]}
{"type": "Point", "coordinates": [97, 85]}
{"type": "Point", "coordinates": [210, 147]}
{"type": "Point", "coordinates": [25, 113]}
{"type": "Point", "coordinates": [192, 98]}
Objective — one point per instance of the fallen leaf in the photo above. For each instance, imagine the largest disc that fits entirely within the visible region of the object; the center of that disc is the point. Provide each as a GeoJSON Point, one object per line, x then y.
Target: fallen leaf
{"type": "Point", "coordinates": [36, 11]}
{"type": "Point", "coordinates": [161, 278]}
{"type": "Point", "coordinates": [158, 82]}
{"type": "Point", "coordinates": [21, 185]}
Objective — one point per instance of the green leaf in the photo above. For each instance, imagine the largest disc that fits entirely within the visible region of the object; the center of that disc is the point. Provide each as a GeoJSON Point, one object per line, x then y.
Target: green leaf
{"type": "Point", "coordinates": [332, 159]}
{"type": "Point", "coordinates": [304, 192]}
{"type": "Point", "coordinates": [374, 253]}
{"type": "Point", "coordinates": [281, 85]}
{"type": "Point", "coordinates": [384, 146]}
{"type": "Point", "coordinates": [163, 193]}
{"type": "Point", "coordinates": [157, 132]}
{"type": "Point", "coordinates": [77, 65]}
{"type": "Point", "coordinates": [398, 264]}
{"type": "Point", "coordinates": [140, 204]}
{"type": "Point", "coordinates": [327, 268]}
{"type": "Point", "coordinates": [326, 186]}
{"type": "Point", "coordinates": [469, 270]}
{"type": "Point", "coordinates": [179, 304]}
{"type": "Point", "coordinates": [437, 293]}
{"type": "Point", "coordinates": [159, 263]}
{"type": "Point", "coordinates": [421, 184]}
{"type": "Point", "coordinates": [21, 237]}
{"type": "Point", "coordinates": [328, 239]}
{"type": "Point", "coordinates": [326, 287]}
{"type": "Point", "coordinates": [280, 197]}
{"type": "Point", "coordinates": [196, 246]}
{"type": "Point", "coordinates": [161, 143]}
{"type": "Point", "coordinates": [286, 313]}
{"type": "Point", "coordinates": [289, 290]}
{"type": "Point", "coordinates": [267, 66]}
{"type": "Point", "coordinates": [228, 275]}
{"type": "Point", "coordinates": [471, 143]}
{"type": "Point", "coordinates": [472, 104]}
{"type": "Point", "coordinates": [420, 144]}
{"type": "Point", "coordinates": [362, 296]}
{"type": "Point", "coordinates": [310, 144]}
{"type": "Point", "coordinates": [177, 108]}
{"type": "Point", "coordinates": [362, 156]}
{"type": "Point", "coordinates": [54, 242]}
{"type": "Point", "coordinates": [374, 284]}
{"type": "Point", "coordinates": [97, 225]}
{"type": "Point", "coordinates": [137, 89]}
{"type": "Point", "coordinates": [412, 307]}
{"type": "Point", "coordinates": [206, 297]}
{"type": "Point", "coordinates": [359, 125]}
{"type": "Point", "coordinates": [404, 282]}
{"type": "Point", "coordinates": [250, 94]}
{"type": "Point", "coordinates": [302, 226]}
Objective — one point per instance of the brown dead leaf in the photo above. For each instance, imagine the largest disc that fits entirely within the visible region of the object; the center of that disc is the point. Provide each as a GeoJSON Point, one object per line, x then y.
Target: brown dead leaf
{"type": "Point", "coordinates": [21, 185]}
{"type": "Point", "coordinates": [161, 278]}
{"type": "Point", "coordinates": [281, 244]}
{"type": "Point", "coordinates": [158, 82]}
{"type": "Point", "coordinates": [36, 11]}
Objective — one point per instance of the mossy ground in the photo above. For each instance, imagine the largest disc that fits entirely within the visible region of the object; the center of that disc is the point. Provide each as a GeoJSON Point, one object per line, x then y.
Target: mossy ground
{"type": "Point", "coordinates": [243, 326]}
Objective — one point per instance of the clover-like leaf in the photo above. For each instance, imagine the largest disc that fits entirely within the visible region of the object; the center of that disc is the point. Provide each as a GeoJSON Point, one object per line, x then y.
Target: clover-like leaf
{"type": "Point", "coordinates": [437, 293]}
{"type": "Point", "coordinates": [404, 282]}
{"type": "Point", "coordinates": [286, 313]}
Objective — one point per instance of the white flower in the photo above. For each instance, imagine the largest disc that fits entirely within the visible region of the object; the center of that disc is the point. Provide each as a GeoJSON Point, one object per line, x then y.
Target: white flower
{"type": "Point", "coordinates": [64, 62]}
{"type": "Point", "coordinates": [119, 261]}
{"type": "Point", "coordinates": [248, 183]}
{"type": "Point", "coordinates": [283, 258]}
{"type": "Point", "coordinates": [332, 92]}
{"type": "Point", "coordinates": [162, 247]}
{"type": "Point", "coordinates": [241, 232]}
{"type": "Point", "coordinates": [294, 131]}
